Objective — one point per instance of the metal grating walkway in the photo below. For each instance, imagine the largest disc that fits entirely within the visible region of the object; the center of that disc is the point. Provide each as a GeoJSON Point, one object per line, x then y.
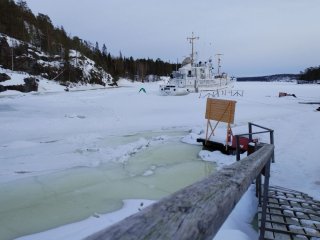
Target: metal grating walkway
{"type": "Point", "coordinates": [291, 215]}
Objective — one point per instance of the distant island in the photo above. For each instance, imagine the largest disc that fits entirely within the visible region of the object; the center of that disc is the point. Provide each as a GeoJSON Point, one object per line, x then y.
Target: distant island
{"type": "Point", "coordinates": [270, 78]}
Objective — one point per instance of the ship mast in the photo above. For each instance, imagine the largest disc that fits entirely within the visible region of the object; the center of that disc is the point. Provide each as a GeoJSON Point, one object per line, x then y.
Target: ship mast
{"type": "Point", "coordinates": [219, 62]}
{"type": "Point", "coordinates": [191, 41]}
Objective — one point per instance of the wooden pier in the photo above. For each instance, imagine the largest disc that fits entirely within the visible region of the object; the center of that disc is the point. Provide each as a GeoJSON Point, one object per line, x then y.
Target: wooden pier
{"type": "Point", "coordinates": [291, 215]}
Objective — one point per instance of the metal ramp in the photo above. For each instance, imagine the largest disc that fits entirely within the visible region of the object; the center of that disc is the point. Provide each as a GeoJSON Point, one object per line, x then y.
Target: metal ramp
{"type": "Point", "coordinates": [290, 215]}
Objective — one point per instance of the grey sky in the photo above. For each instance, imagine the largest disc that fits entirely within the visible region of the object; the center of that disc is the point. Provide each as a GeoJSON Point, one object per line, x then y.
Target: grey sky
{"type": "Point", "coordinates": [257, 37]}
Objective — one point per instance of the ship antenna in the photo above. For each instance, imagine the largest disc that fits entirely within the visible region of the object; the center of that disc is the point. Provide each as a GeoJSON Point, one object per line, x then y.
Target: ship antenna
{"type": "Point", "coordinates": [191, 41]}
{"type": "Point", "coordinates": [219, 62]}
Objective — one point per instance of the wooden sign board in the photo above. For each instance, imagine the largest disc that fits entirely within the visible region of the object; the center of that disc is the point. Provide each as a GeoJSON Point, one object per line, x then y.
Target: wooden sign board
{"type": "Point", "coordinates": [220, 110]}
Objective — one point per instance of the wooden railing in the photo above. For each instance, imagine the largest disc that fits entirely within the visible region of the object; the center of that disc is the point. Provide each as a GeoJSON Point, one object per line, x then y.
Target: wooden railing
{"type": "Point", "coordinates": [197, 211]}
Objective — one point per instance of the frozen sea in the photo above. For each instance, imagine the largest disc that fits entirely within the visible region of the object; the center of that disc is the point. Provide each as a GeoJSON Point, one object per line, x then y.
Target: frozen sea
{"type": "Point", "coordinates": [69, 158]}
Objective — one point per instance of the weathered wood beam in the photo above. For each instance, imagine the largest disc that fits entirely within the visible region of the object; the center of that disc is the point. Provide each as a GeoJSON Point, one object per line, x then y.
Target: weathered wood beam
{"type": "Point", "coordinates": [195, 212]}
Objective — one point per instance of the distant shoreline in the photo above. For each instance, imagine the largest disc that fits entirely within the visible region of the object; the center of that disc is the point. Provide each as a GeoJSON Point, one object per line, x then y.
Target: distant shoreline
{"type": "Point", "coordinates": [270, 78]}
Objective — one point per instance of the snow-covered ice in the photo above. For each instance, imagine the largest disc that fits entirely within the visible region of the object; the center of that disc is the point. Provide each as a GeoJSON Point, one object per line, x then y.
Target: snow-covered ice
{"type": "Point", "coordinates": [48, 133]}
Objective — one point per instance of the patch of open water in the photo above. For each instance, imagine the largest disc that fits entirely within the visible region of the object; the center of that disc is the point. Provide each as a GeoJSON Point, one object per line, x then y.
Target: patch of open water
{"type": "Point", "coordinates": [43, 202]}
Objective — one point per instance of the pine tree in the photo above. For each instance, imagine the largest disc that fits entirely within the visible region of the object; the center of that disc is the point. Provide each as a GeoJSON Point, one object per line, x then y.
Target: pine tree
{"type": "Point", "coordinates": [23, 5]}
{"type": "Point", "coordinates": [97, 48]}
{"type": "Point", "coordinates": [104, 50]}
{"type": "Point", "coordinates": [46, 28]}
{"type": "Point", "coordinates": [310, 74]}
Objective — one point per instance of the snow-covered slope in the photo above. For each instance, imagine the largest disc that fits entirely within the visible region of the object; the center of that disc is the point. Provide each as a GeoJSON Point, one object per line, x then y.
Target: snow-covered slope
{"type": "Point", "coordinates": [30, 59]}
{"type": "Point", "coordinates": [44, 84]}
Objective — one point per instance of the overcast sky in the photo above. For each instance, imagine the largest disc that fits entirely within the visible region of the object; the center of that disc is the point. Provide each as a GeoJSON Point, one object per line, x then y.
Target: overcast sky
{"type": "Point", "coordinates": [257, 37]}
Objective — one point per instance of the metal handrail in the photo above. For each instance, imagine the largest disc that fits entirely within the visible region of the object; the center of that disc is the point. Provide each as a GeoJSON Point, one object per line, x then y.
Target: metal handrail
{"type": "Point", "coordinates": [250, 134]}
{"type": "Point", "coordinates": [266, 172]}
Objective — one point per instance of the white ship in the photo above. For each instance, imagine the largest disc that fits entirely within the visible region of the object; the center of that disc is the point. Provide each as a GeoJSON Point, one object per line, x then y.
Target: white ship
{"type": "Point", "coordinates": [196, 77]}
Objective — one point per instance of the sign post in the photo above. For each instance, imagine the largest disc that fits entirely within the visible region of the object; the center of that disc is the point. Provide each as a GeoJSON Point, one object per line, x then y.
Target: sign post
{"type": "Point", "coordinates": [221, 111]}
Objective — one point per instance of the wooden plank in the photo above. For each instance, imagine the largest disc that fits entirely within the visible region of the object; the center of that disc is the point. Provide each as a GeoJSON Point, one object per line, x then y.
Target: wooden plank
{"type": "Point", "coordinates": [289, 218]}
{"type": "Point", "coordinates": [282, 236]}
{"type": "Point", "coordinates": [309, 223]}
{"type": "Point", "coordinates": [314, 217]}
{"type": "Point", "coordinates": [293, 227]}
{"type": "Point", "coordinates": [299, 237]}
{"type": "Point", "coordinates": [289, 208]}
{"type": "Point", "coordinates": [195, 212]}
{"type": "Point", "coordinates": [302, 215]}
{"type": "Point", "coordinates": [306, 203]}
{"type": "Point", "coordinates": [278, 222]}
{"type": "Point", "coordinates": [291, 233]}
{"type": "Point", "coordinates": [269, 234]}
{"type": "Point", "coordinates": [286, 190]}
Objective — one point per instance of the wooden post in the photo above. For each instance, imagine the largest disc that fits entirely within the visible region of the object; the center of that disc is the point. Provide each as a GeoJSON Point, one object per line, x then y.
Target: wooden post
{"type": "Point", "coordinates": [250, 131]}
{"type": "Point", "coordinates": [238, 147]}
{"type": "Point", "coordinates": [265, 199]}
{"type": "Point", "coordinates": [272, 142]}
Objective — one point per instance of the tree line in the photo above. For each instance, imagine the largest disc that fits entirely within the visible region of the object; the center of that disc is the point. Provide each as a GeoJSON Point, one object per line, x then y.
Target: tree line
{"type": "Point", "coordinates": [310, 74]}
{"type": "Point", "coordinates": [17, 21]}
